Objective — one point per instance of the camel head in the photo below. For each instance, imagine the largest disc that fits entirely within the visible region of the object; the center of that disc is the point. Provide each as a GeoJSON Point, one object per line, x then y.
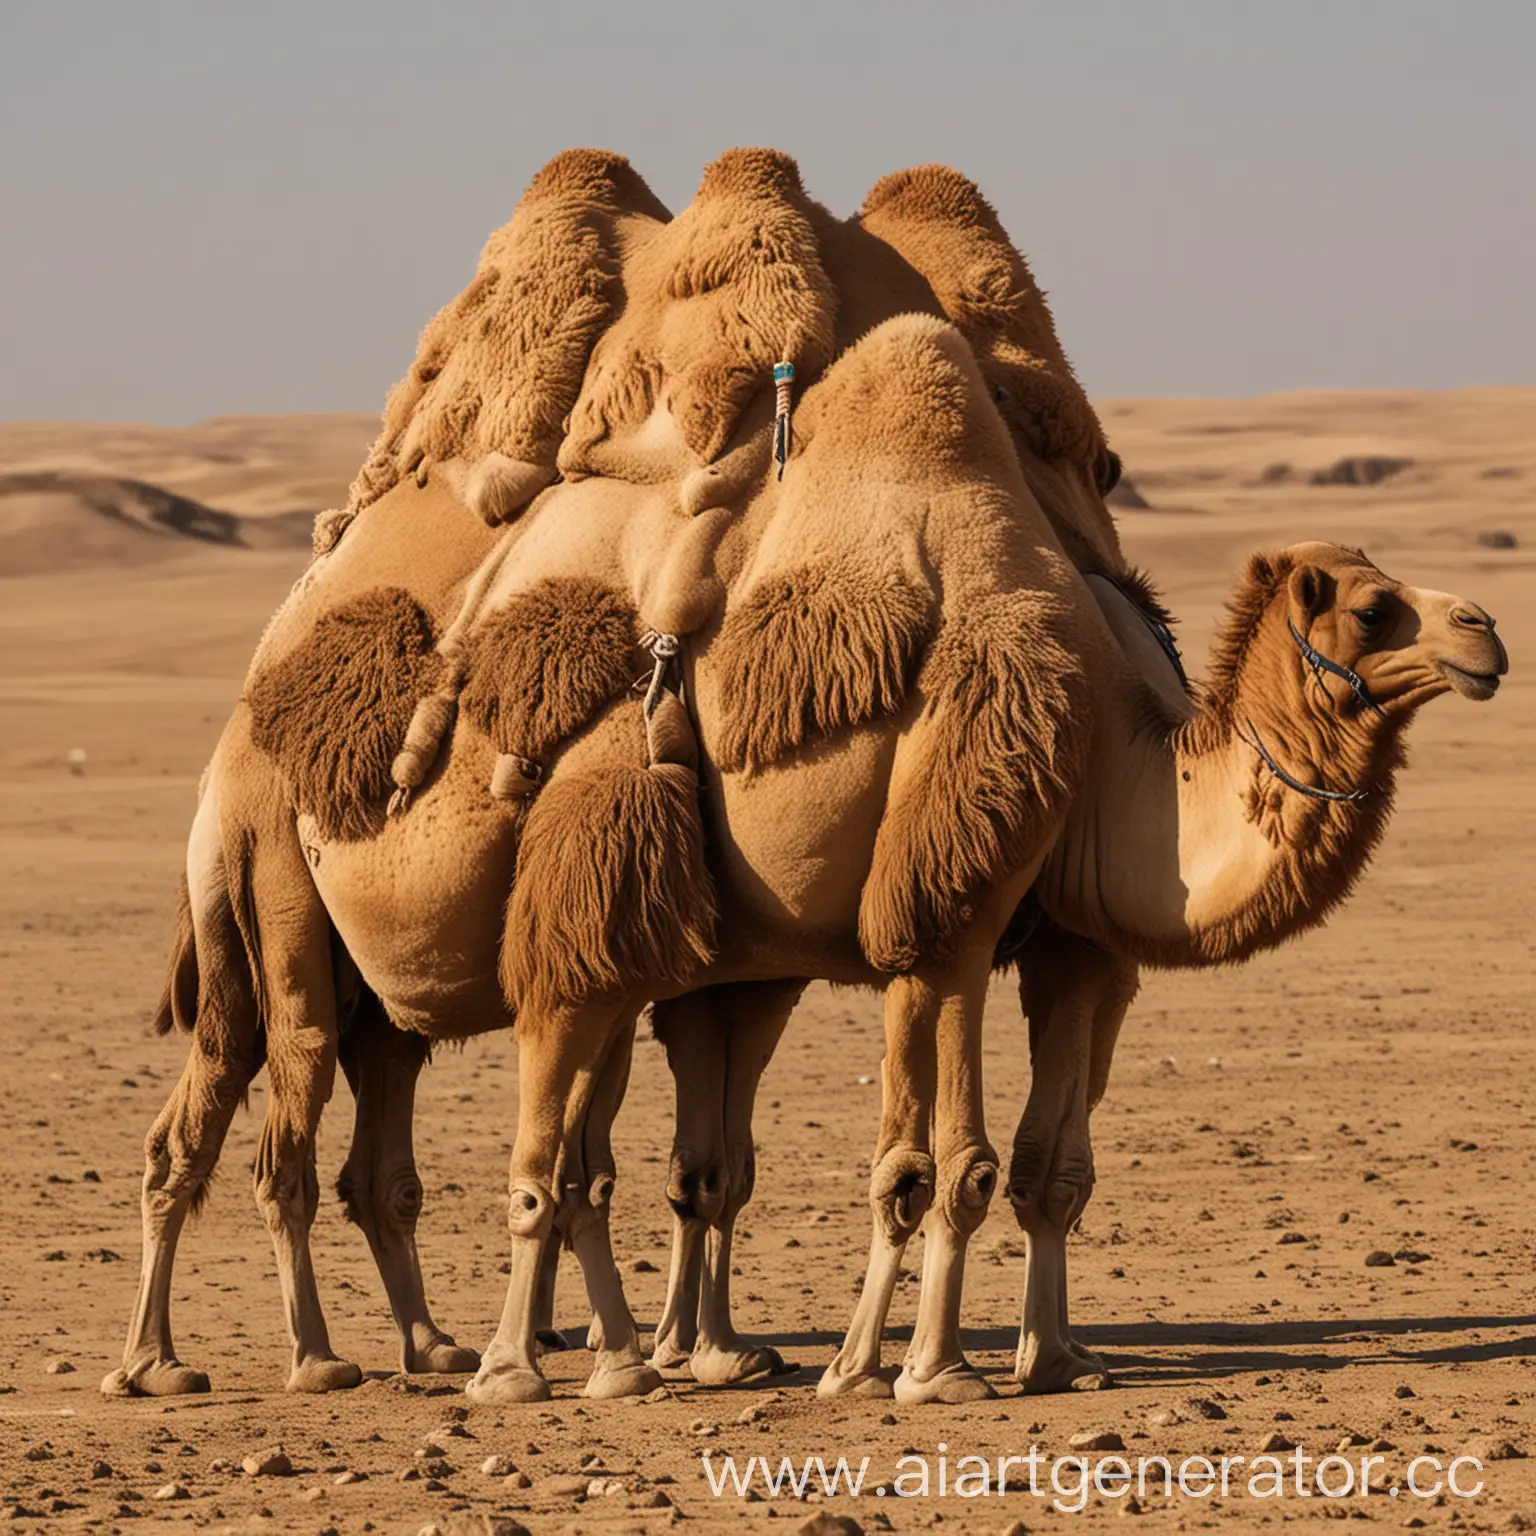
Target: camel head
{"type": "Point", "coordinates": [1406, 645]}
{"type": "Point", "coordinates": [1362, 645]}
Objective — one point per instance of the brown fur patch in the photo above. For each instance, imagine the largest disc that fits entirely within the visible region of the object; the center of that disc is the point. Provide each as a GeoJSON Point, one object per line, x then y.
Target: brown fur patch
{"type": "Point", "coordinates": [333, 712]}
{"type": "Point", "coordinates": [542, 667]}
{"type": "Point", "coordinates": [814, 651]}
{"type": "Point", "coordinates": [731, 286]}
{"type": "Point", "coordinates": [1004, 737]}
{"type": "Point", "coordinates": [177, 1008]}
{"type": "Point", "coordinates": [499, 368]}
{"type": "Point", "coordinates": [612, 889]}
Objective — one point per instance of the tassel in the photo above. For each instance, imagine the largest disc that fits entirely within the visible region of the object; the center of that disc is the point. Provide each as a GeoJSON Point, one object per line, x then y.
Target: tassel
{"type": "Point", "coordinates": [783, 433]}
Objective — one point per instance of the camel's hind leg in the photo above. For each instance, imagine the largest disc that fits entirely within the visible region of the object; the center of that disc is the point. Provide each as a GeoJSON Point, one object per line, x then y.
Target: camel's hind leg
{"type": "Point", "coordinates": [750, 1019]}
{"type": "Point", "coordinates": [184, 1143]}
{"type": "Point", "coordinates": [379, 1184]}
{"type": "Point", "coordinates": [1075, 997]}
{"type": "Point", "coordinates": [562, 1053]}
{"type": "Point", "coordinates": [287, 934]}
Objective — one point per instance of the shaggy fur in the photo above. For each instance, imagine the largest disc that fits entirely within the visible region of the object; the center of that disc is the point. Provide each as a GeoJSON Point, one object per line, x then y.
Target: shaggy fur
{"type": "Point", "coordinates": [612, 889]}
{"type": "Point", "coordinates": [814, 651]}
{"type": "Point", "coordinates": [177, 1008]}
{"type": "Point", "coordinates": [1004, 742]}
{"type": "Point", "coordinates": [499, 368]}
{"type": "Point", "coordinates": [333, 711]}
{"type": "Point", "coordinates": [731, 286]}
{"type": "Point", "coordinates": [542, 668]}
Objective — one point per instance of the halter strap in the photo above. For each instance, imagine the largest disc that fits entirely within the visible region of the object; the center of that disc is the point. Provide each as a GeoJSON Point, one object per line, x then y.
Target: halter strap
{"type": "Point", "coordinates": [1311, 792]}
{"type": "Point", "coordinates": [1319, 664]}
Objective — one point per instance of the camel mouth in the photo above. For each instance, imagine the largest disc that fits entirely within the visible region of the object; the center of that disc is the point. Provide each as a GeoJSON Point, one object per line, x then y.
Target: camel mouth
{"type": "Point", "coordinates": [1477, 686]}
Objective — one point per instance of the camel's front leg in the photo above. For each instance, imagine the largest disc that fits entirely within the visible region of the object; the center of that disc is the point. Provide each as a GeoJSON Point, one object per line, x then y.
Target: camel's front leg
{"type": "Point", "coordinates": [561, 1056]}
{"type": "Point", "coordinates": [379, 1184]}
{"type": "Point", "coordinates": [936, 1370]}
{"type": "Point", "coordinates": [621, 1369]}
{"type": "Point", "coordinates": [756, 1015]}
{"type": "Point", "coordinates": [1075, 997]}
{"type": "Point", "coordinates": [901, 1183]}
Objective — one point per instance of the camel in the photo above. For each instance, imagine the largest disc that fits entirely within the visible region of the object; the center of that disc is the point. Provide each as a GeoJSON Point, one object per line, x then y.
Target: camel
{"type": "Point", "coordinates": [994, 689]}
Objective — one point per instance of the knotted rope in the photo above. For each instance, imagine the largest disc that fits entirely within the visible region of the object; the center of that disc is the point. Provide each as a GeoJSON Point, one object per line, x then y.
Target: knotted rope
{"type": "Point", "coordinates": [783, 432]}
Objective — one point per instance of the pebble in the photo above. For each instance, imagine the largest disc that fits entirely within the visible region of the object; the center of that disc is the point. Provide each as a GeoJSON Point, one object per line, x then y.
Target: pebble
{"type": "Point", "coordinates": [171, 1491]}
{"type": "Point", "coordinates": [101, 1469]}
{"type": "Point", "coordinates": [887, 1418]}
{"type": "Point", "coordinates": [1276, 1444]}
{"type": "Point", "coordinates": [497, 1466]}
{"type": "Point", "coordinates": [565, 1487]}
{"type": "Point", "coordinates": [1097, 1440]}
{"type": "Point", "coordinates": [702, 1427]}
{"type": "Point", "coordinates": [1404, 1391]}
{"type": "Point", "coordinates": [1161, 1418]}
{"type": "Point", "coordinates": [1379, 1258]}
{"type": "Point", "coordinates": [1207, 1409]}
{"type": "Point", "coordinates": [437, 1467]}
{"type": "Point", "coordinates": [605, 1487]}
{"type": "Point", "coordinates": [429, 1449]}
{"type": "Point", "coordinates": [343, 1478]}
{"type": "Point", "coordinates": [60, 1367]}
{"type": "Point", "coordinates": [827, 1524]}
{"type": "Point", "coordinates": [268, 1464]}
{"type": "Point", "coordinates": [312, 1495]}
{"type": "Point", "coordinates": [753, 1414]}
{"type": "Point", "coordinates": [1496, 1450]}
{"type": "Point", "coordinates": [659, 1395]}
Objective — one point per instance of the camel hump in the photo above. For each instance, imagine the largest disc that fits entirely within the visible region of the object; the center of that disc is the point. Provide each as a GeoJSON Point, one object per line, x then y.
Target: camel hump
{"type": "Point", "coordinates": [712, 301]}
{"type": "Point", "coordinates": [598, 176]}
{"type": "Point", "coordinates": [498, 369]}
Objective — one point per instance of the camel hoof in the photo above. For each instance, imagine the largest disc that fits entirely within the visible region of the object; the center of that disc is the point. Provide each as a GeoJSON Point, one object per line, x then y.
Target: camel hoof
{"type": "Point", "coordinates": [443, 1358]}
{"type": "Point", "coordinates": [862, 1384]}
{"type": "Point", "coordinates": [631, 1380]}
{"type": "Point", "coordinates": [507, 1384]}
{"type": "Point", "coordinates": [668, 1355]}
{"type": "Point", "coordinates": [1072, 1369]}
{"type": "Point", "coordinates": [160, 1378]}
{"type": "Point", "coordinates": [726, 1367]}
{"type": "Point", "coordinates": [324, 1374]}
{"type": "Point", "coordinates": [954, 1384]}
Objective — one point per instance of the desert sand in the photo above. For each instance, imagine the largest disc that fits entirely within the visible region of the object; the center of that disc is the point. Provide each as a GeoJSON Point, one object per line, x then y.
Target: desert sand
{"type": "Point", "coordinates": [1366, 1089]}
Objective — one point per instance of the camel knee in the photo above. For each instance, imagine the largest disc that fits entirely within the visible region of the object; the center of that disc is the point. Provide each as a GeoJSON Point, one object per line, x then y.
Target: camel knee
{"type": "Point", "coordinates": [964, 1186]}
{"type": "Point", "coordinates": [530, 1209]}
{"type": "Point", "coordinates": [1050, 1179]}
{"type": "Point", "coordinates": [901, 1187]}
{"type": "Point", "coordinates": [696, 1186]}
{"type": "Point", "coordinates": [741, 1177]}
{"type": "Point", "coordinates": [390, 1203]}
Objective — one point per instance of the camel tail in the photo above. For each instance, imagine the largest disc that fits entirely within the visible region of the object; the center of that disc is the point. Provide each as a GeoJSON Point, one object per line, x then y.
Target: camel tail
{"type": "Point", "coordinates": [177, 1008]}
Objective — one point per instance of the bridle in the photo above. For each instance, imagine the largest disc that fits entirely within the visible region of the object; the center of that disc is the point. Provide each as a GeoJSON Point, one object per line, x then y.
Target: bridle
{"type": "Point", "coordinates": [1318, 664]}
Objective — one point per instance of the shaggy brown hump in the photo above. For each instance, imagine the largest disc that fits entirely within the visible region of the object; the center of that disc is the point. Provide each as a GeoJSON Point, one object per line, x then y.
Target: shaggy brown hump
{"type": "Point", "coordinates": [541, 668]}
{"type": "Point", "coordinates": [811, 652]}
{"type": "Point", "coordinates": [1003, 746]}
{"type": "Point", "coordinates": [611, 889]}
{"type": "Point", "coordinates": [333, 712]}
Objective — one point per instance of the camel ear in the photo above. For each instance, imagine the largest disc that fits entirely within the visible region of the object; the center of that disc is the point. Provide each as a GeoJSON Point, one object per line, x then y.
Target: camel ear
{"type": "Point", "coordinates": [1311, 590]}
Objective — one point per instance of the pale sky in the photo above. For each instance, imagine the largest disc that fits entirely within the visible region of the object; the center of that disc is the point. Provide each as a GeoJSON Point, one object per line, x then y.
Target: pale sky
{"type": "Point", "coordinates": [213, 206]}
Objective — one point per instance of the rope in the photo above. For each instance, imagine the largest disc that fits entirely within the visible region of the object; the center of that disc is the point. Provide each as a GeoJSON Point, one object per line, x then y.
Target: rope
{"type": "Point", "coordinates": [664, 649]}
{"type": "Point", "coordinates": [783, 432]}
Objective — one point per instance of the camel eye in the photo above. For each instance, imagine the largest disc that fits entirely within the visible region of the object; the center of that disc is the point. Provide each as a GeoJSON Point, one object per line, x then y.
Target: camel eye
{"type": "Point", "coordinates": [1001, 395]}
{"type": "Point", "coordinates": [1373, 615]}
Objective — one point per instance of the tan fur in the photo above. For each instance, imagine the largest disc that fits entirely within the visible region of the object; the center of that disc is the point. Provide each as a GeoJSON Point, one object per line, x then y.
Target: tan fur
{"type": "Point", "coordinates": [332, 712]}
{"type": "Point", "coordinates": [499, 368]}
{"type": "Point", "coordinates": [177, 1008]}
{"type": "Point", "coordinates": [939, 222]}
{"type": "Point", "coordinates": [713, 300]}
{"type": "Point", "coordinates": [1002, 752]}
{"type": "Point", "coordinates": [814, 651]}
{"type": "Point", "coordinates": [612, 889]}
{"type": "Point", "coordinates": [541, 668]}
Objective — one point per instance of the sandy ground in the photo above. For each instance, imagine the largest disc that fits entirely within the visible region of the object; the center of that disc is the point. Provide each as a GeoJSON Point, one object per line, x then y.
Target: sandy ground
{"type": "Point", "coordinates": [1368, 1088]}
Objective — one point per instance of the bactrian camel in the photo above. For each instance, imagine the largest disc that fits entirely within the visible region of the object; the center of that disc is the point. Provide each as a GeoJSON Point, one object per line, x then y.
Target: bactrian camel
{"type": "Point", "coordinates": [969, 684]}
